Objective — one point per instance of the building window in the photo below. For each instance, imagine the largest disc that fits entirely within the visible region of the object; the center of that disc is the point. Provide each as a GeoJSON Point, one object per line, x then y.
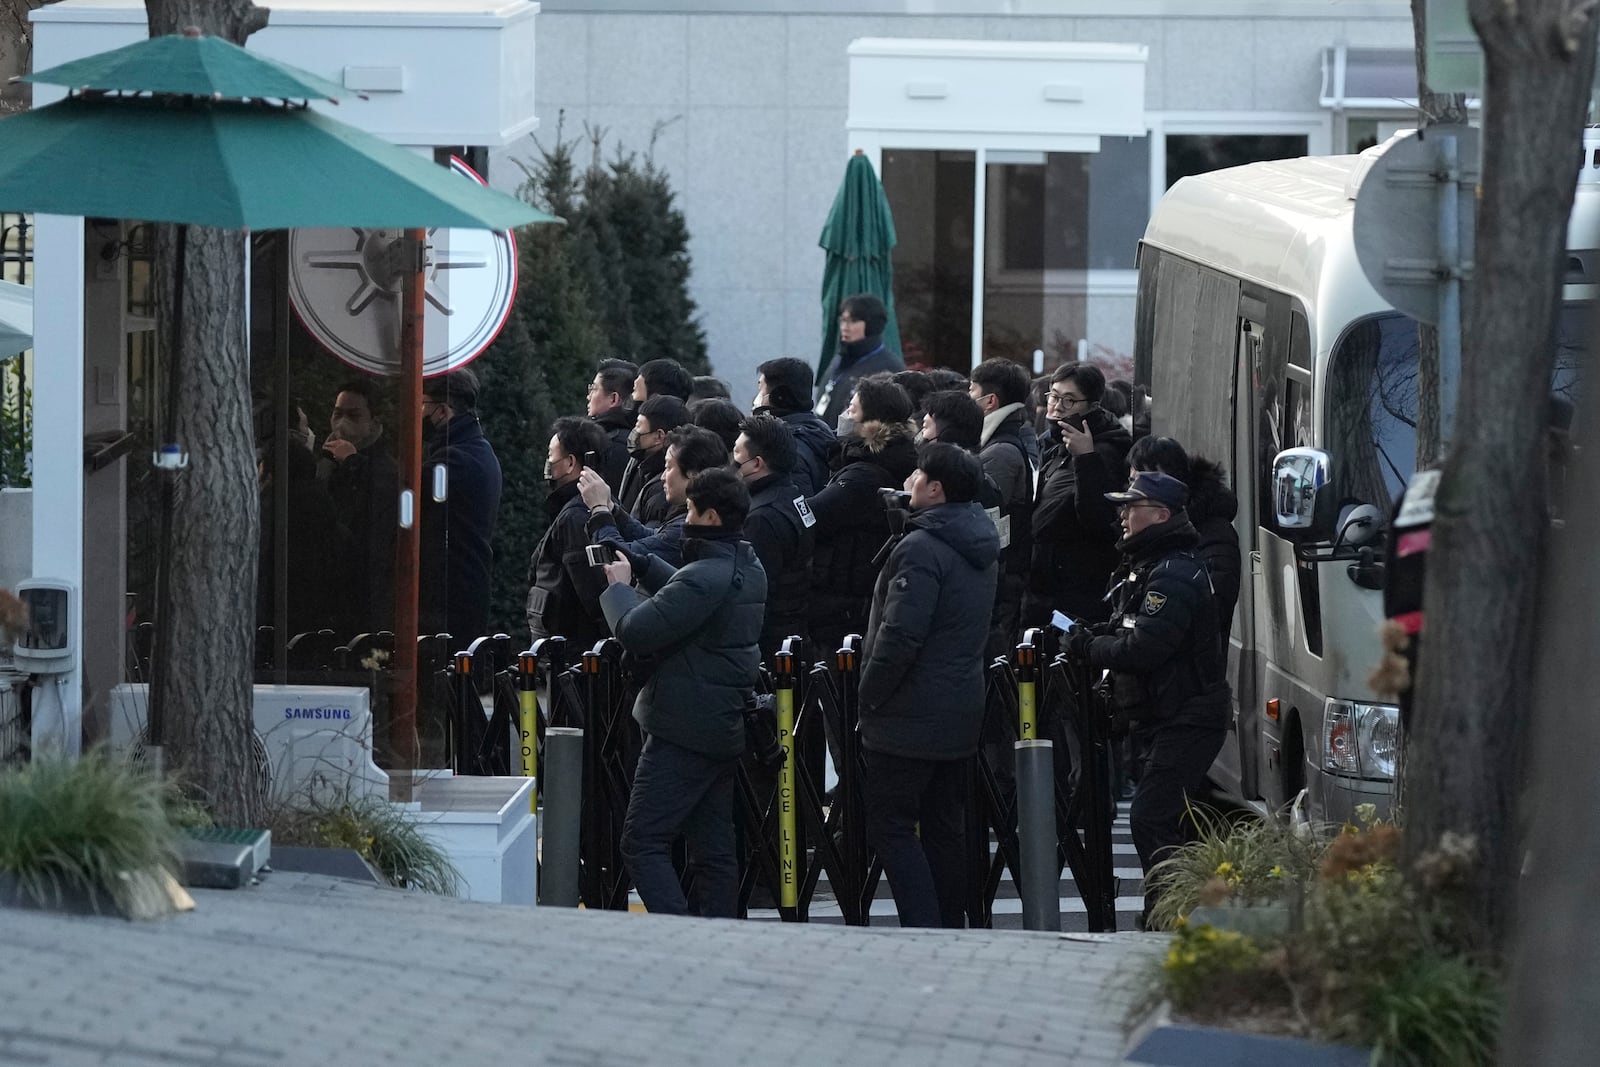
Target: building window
{"type": "Point", "coordinates": [1197, 153]}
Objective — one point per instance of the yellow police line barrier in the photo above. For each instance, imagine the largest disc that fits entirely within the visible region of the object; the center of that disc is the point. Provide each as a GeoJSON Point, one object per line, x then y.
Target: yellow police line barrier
{"type": "Point", "coordinates": [528, 720]}
{"type": "Point", "coordinates": [1027, 686]}
{"type": "Point", "coordinates": [788, 832]}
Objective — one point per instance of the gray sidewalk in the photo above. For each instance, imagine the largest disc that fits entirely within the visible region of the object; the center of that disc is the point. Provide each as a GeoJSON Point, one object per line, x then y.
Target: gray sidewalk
{"type": "Point", "coordinates": [306, 969]}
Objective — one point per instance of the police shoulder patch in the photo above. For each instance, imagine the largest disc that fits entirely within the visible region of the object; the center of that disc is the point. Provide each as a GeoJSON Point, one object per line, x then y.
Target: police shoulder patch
{"type": "Point", "coordinates": [1154, 602]}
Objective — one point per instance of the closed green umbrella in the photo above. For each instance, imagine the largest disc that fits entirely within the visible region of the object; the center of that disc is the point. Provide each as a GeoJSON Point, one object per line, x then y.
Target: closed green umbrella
{"type": "Point", "coordinates": [858, 239]}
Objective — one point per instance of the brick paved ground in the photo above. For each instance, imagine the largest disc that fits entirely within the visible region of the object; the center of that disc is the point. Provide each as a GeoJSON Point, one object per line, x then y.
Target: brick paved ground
{"type": "Point", "coordinates": [306, 970]}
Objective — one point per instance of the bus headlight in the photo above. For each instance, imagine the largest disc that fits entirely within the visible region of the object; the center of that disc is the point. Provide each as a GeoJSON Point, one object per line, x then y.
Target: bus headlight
{"type": "Point", "coordinates": [1360, 740]}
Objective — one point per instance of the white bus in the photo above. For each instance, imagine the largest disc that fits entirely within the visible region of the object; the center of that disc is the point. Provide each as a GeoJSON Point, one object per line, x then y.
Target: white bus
{"type": "Point", "coordinates": [1257, 332]}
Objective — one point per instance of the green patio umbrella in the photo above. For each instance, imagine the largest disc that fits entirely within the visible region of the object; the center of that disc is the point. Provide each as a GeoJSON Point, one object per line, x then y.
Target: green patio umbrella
{"type": "Point", "coordinates": [190, 65]}
{"type": "Point", "coordinates": [231, 165]}
{"type": "Point", "coordinates": [858, 239]}
{"type": "Point", "coordinates": [198, 131]}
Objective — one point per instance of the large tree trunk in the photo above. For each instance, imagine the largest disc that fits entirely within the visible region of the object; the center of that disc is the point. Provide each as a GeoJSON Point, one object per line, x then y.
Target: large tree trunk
{"type": "Point", "coordinates": [203, 683]}
{"type": "Point", "coordinates": [1473, 692]}
{"type": "Point", "coordinates": [1555, 976]}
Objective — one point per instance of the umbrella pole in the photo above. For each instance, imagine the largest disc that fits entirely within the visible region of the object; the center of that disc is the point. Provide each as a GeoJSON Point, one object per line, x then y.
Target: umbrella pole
{"type": "Point", "coordinates": [403, 706]}
{"type": "Point", "coordinates": [169, 460]}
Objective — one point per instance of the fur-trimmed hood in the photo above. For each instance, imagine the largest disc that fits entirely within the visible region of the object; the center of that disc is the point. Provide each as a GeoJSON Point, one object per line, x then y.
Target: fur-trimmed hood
{"type": "Point", "coordinates": [890, 445]}
{"type": "Point", "coordinates": [1209, 494]}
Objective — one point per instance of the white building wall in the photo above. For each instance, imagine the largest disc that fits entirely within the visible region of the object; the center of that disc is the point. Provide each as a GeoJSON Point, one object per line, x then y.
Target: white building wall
{"type": "Point", "coordinates": [753, 106]}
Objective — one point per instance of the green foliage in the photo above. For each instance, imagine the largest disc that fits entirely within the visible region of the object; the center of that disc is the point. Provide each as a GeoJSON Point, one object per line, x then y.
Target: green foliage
{"type": "Point", "coordinates": [1205, 965]}
{"type": "Point", "coordinates": [385, 835]}
{"type": "Point", "coordinates": [85, 825]}
{"type": "Point", "coordinates": [16, 431]}
{"type": "Point", "coordinates": [631, 215]}
{"type": "Point", "coordinates": [1435, 1010]}
{"type": "Point", "coordinates": [613, 281]}
{"type": "Point", "coordinates": [1365, 958]}
{"type": "Point", "coordinates": [1246, 862]}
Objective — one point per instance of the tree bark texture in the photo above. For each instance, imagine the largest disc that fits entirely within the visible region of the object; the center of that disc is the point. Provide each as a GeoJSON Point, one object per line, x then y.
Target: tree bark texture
{"type": "Point", "coordinates": [210, 613]}
{"type": "Point", "coordinates": [1555, 973]}
{"type": "Point", "coordinates": [1473, 696]}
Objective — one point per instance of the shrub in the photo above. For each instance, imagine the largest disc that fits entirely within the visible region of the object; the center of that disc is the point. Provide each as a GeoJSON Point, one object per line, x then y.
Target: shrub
{"type": "Point", "coordinates": [1250, 862]}
{"type": "Point", "coordinates": [385, 835]}
{"type": "Point", "coordinates": [1365, 958]}
{"type": "Point", "coordinates": [85, 825]}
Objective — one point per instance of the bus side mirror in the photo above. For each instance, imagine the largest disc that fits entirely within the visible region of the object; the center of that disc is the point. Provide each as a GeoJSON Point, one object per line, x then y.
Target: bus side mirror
{"type": "Point", "coordinates": [1302, 499]}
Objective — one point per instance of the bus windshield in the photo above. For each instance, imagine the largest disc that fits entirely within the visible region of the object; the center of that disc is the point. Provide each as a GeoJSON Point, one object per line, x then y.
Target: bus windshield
{"type": "Point", "coordinates": [1372, 401]}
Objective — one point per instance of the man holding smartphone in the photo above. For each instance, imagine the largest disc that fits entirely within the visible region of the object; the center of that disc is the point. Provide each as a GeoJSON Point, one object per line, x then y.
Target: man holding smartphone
{"type": "Point", "coordinates": [1074, 543]}
{"type": "Point", "coordinates": [701, 622]}
{"type": "Point", "coordinates": [563, 589]}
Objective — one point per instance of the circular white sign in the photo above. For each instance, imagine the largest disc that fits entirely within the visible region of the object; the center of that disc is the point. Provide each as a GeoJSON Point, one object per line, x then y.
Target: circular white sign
{"type": "Point", "coordinates": [344, 284]}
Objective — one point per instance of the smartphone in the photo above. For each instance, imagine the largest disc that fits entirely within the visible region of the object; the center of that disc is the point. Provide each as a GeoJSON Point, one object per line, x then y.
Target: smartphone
{"type": "Point", "coordinates": [599, 555]}
{"type": "Point", "coordinates": [1075, 421]}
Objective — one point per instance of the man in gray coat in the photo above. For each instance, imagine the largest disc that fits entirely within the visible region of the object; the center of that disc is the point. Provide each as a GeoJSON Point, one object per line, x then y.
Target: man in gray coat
{"type": "Point", "coordinates": [700, 624]}
{"type": "Point", "coordinates": [922, 686]}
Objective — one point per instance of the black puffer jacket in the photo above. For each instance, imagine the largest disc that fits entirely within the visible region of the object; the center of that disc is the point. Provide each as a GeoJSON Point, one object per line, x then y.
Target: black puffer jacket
{"type": "Point", "coordinates": [1212, 508]}
{"type": "Point", "coordinates": [852, 526]}
{"type": "Point", "coordinates": [779, 529]}
{"type": "Point", "coordinates": [815, 446]}
{"type": "Point", "coordinates": [563, 590]}
{"type": "Point", "coordinates": [1160, 644]}
{"type": "Point", "coordinates": [922, 661]}
{"type": "Point", "coordinates": [1074, 547]}
{"type": "Point", "coordinates": [643, 496]}
{"type": "Point", "coordinates": [617, 423]}
{"type": "Point", "coordinates": [701, 621]}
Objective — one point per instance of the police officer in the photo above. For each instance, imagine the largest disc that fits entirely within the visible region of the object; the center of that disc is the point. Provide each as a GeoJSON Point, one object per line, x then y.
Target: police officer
{"type": "Point", "coordinates": [1167, 673]}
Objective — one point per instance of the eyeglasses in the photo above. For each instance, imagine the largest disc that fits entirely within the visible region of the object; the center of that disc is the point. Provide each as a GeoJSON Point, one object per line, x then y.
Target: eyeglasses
{"type": "Point", "coordinates": [594, 387]}
{"type": "Point", "coordinates": [1130, 506]}
{"type": "Point", "coordinates": [1065, 398]}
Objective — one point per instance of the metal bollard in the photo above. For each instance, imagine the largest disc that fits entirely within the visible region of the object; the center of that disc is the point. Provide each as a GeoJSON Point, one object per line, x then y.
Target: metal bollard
{"type": "Point", "coordinates": [788, 837]}
{"type": "Point", "coordinates": [528, 720]}
{"type": "Point", "coordinates": [1027, 686]}
{"type": "Point", "coordinates": [1036, 829]}
{"type": "Point", "coordinates": [563, 803]}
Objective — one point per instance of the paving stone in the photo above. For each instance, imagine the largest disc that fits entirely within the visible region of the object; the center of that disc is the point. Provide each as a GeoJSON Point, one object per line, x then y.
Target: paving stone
{"type": "Point", "coordinates": [307, 969]}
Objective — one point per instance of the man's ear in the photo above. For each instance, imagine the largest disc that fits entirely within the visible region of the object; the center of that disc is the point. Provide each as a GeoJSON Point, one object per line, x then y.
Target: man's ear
{"type": "Point", "coordinates": [709, 517]}
{"type": "Point", "coordinates": [935, 488]}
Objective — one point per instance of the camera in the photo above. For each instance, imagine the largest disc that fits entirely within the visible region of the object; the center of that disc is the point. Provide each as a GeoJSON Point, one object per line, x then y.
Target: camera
{"type": "Point", "coordinates": [599, 555]}
{"type": "Point", "coordinates": [895, 499]}
{"type": "Point", "coordinates": [761, 739]}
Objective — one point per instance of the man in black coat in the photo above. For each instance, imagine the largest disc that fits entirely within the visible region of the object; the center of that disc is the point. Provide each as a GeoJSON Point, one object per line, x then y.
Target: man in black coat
{"type": "Point", "coordinates": [922, 687]}
{"type": "Point", "coordinates": [1074, 548]}
{"type": "Point", "coordinates": [689, 451]}
{"type": "Point", "coordinates": [641, 494]}
{"type": "Point", "coordinates": [1212, 507]}
{"type": "Point", "coordinates": [610, 407]}
{"type": "Point", "coordinates": [563, 589]}
{"type": "Point", "coordinates": [862, 353]}
{"type": "Point", "coordinates": [701, 621]}
{"type": "Point", "coordinates": [363, 481]}
{"type": "Point", "coordinates": [456, 533]}
{"type": "Point", "coordinates": [1000, 388]}
{"type": "Point", "coordinates": [1168, 673]}
{"type": "Point", "coordinates": [778, 527]}
{"type": "Point", "coordinates": [783, 388]}
{"type": "Point", "coordinates": [852, 527]}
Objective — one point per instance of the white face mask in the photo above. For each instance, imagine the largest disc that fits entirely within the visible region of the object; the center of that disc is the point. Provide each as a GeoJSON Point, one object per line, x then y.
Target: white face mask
{"type": "Point", "coordinates": [847, 425]}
